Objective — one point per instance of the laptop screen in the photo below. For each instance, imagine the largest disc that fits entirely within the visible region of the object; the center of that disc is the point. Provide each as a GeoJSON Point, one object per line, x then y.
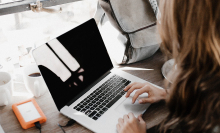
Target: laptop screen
{"type": "Point", "coordinates": [72, 62]}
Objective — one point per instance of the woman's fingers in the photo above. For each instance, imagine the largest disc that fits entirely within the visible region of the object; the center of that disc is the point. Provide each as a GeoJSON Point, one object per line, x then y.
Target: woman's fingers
{"type": "Point", "coordinates": [118, 127]}
{"type": "Point", "coordinates": [131, 115]}
{"type": "Point", "coordinates": [120, 121]}
{"type": "Point", "coordinates": [129, 86]}
{"type": "Point", "coordinates": [125, 117]}
{"type": "Point", "coordinates": [139, 92]}
{"type": "Point", "coordinates": [134, 87]}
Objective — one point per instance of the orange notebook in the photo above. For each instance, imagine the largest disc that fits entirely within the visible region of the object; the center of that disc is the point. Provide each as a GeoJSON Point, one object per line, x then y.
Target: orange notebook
{"type": "Point", "coordinates": [28, 112]}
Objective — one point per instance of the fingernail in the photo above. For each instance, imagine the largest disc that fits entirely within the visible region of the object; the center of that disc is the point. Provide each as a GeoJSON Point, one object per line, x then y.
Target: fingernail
{"type": "Point", "coordinates": [140, 101]}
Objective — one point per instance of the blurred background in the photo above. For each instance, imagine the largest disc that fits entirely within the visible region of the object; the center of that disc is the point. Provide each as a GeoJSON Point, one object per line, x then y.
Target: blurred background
{"type": "Point", "coordinates": [21, 32]}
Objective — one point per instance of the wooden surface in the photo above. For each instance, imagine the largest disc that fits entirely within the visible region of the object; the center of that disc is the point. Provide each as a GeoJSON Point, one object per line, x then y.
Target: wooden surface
{"type": "Point", "coordinates": [153, 116]}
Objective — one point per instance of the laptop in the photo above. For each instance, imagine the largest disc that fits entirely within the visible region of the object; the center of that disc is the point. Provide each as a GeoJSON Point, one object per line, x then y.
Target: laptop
{"type": "Point", "coordinates": [82, 80]}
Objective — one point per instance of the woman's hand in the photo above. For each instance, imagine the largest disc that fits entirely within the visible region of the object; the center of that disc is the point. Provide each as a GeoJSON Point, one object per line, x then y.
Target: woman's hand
{"type": "Point", "coordinates": [130, 124]}
{"type": "Point", "coordinates": [154, 94]}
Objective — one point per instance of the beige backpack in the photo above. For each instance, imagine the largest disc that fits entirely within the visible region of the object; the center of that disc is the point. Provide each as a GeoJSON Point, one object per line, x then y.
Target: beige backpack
{"type": "Point", "coordinates": [129, 29]}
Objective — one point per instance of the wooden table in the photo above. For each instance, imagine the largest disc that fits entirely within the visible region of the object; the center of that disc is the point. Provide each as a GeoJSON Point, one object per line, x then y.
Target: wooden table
{"type": "Point", "coordinates": [153, 116]}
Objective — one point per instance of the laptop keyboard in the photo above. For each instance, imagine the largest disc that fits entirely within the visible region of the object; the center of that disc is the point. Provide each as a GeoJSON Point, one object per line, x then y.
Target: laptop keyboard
{"type": "Point", "coordinates": [101, 99]}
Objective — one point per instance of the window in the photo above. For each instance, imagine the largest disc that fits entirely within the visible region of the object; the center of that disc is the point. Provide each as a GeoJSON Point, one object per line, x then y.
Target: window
{"type": "Point", "coordinates": [21, 30]}
{"type": "Point", "coordinates": [14, 6]}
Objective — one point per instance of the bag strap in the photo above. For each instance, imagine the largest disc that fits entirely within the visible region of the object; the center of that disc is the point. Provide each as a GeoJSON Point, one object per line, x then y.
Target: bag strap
{"type": "Point", "coordinates": [126, 14]}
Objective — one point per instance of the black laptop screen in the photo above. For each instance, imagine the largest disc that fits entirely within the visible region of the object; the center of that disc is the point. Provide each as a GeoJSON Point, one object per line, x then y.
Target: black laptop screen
{"type": "Point", "coordinates": [72, 62]}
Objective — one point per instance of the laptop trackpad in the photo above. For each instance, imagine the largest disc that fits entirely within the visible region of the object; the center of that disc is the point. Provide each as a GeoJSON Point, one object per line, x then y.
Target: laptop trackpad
{"type": "Point", "coordinates": [126, 107]}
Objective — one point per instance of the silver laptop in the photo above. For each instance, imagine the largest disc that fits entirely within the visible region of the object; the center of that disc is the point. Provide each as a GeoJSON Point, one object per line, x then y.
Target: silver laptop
{"type": "Point", "coordinates": [82, 80]}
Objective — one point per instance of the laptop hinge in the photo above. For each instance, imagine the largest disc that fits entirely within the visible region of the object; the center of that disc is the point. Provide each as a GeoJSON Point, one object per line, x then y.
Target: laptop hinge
{"type": "Point", "coordinates": [88, 88]}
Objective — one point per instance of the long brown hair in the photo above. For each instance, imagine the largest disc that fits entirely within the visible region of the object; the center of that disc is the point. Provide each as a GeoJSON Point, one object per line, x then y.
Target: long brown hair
{"type": "Point", "coordinates": [190, 33]}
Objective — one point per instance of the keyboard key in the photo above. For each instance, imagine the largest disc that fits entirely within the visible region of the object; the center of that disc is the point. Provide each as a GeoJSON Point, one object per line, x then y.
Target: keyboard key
{"type": "Point", "coordinates": [105, 86]}
{"type": "Point", "coordinates": [97, 90]}
{"type": "Point", "coordinates": [78, 109]}
{"type": "Point", "coordinates": [88, 112]}
{"type": "Point", "coordinates": [111, 87]}
{"type": "Point", "coordinates": [90, 104]}
{"type": "Point", "coordinates": [110, 98]}
{"type": "Point", "coordinates": [92, 108]}
{"type": "Point", "coordinates": [95, 105]}
{"type": "Point", "coordinates": [105, 109]}
{"type": "Point", "coordinates": [98, 115]}
{"type": "Point", "coordinates": [118, 86]}
{"type": "Point", "coordinates": [106, 91]}
{"type": "Point", "coordinates": [128, 82]}
{"type": "Point", "coordinates": [124, 81]}
{"type": "Point", "coordinates": [122, 93]}
{"type": "Point", "coordinates": [122, 87]}
{"type": "Point", "coordinates": [81, 106]}
{"type": "Point", "coordinates": [97, 109]}
{"type": "Point", "coordinates": [101, 100]}
{"type": "Point", "coordinates": [83, 110]}
{"type": "Point", "coordinates": [92, 114]}
{"type": "Point", "coordinates": [100, 106]}
{"type": "Point", "coordinates": [103, 104]}
{"type": "Point", "coordinates": [113, 101]}
{"type": "Point", "coordinates": [87, 107]}
{"type": "Point", "coordinates": [114, 94]}
{"type": "Point", "coordinates": [75, 107]}
{"type": "Point", "coordinates": [101, 112]}
{"type": "Point", "coordinates": [114, 84]}
{"type": "Point", "coordinates": [109, 93]}
{"type": "Point", "coordinates": [95, 118]}
{"type": "Point", "coordinates": [94, 101]}
{"type": "Point", "coordinates": [118, 91]}
{"type": "Point", "coordinates": [85, 103]}
{"type": "Point", "coordinates": [98, 103]}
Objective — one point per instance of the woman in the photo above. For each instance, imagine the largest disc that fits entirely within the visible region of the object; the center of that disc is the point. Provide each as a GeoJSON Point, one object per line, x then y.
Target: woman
{"type": "Point", "coordinates": [190, 32]}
